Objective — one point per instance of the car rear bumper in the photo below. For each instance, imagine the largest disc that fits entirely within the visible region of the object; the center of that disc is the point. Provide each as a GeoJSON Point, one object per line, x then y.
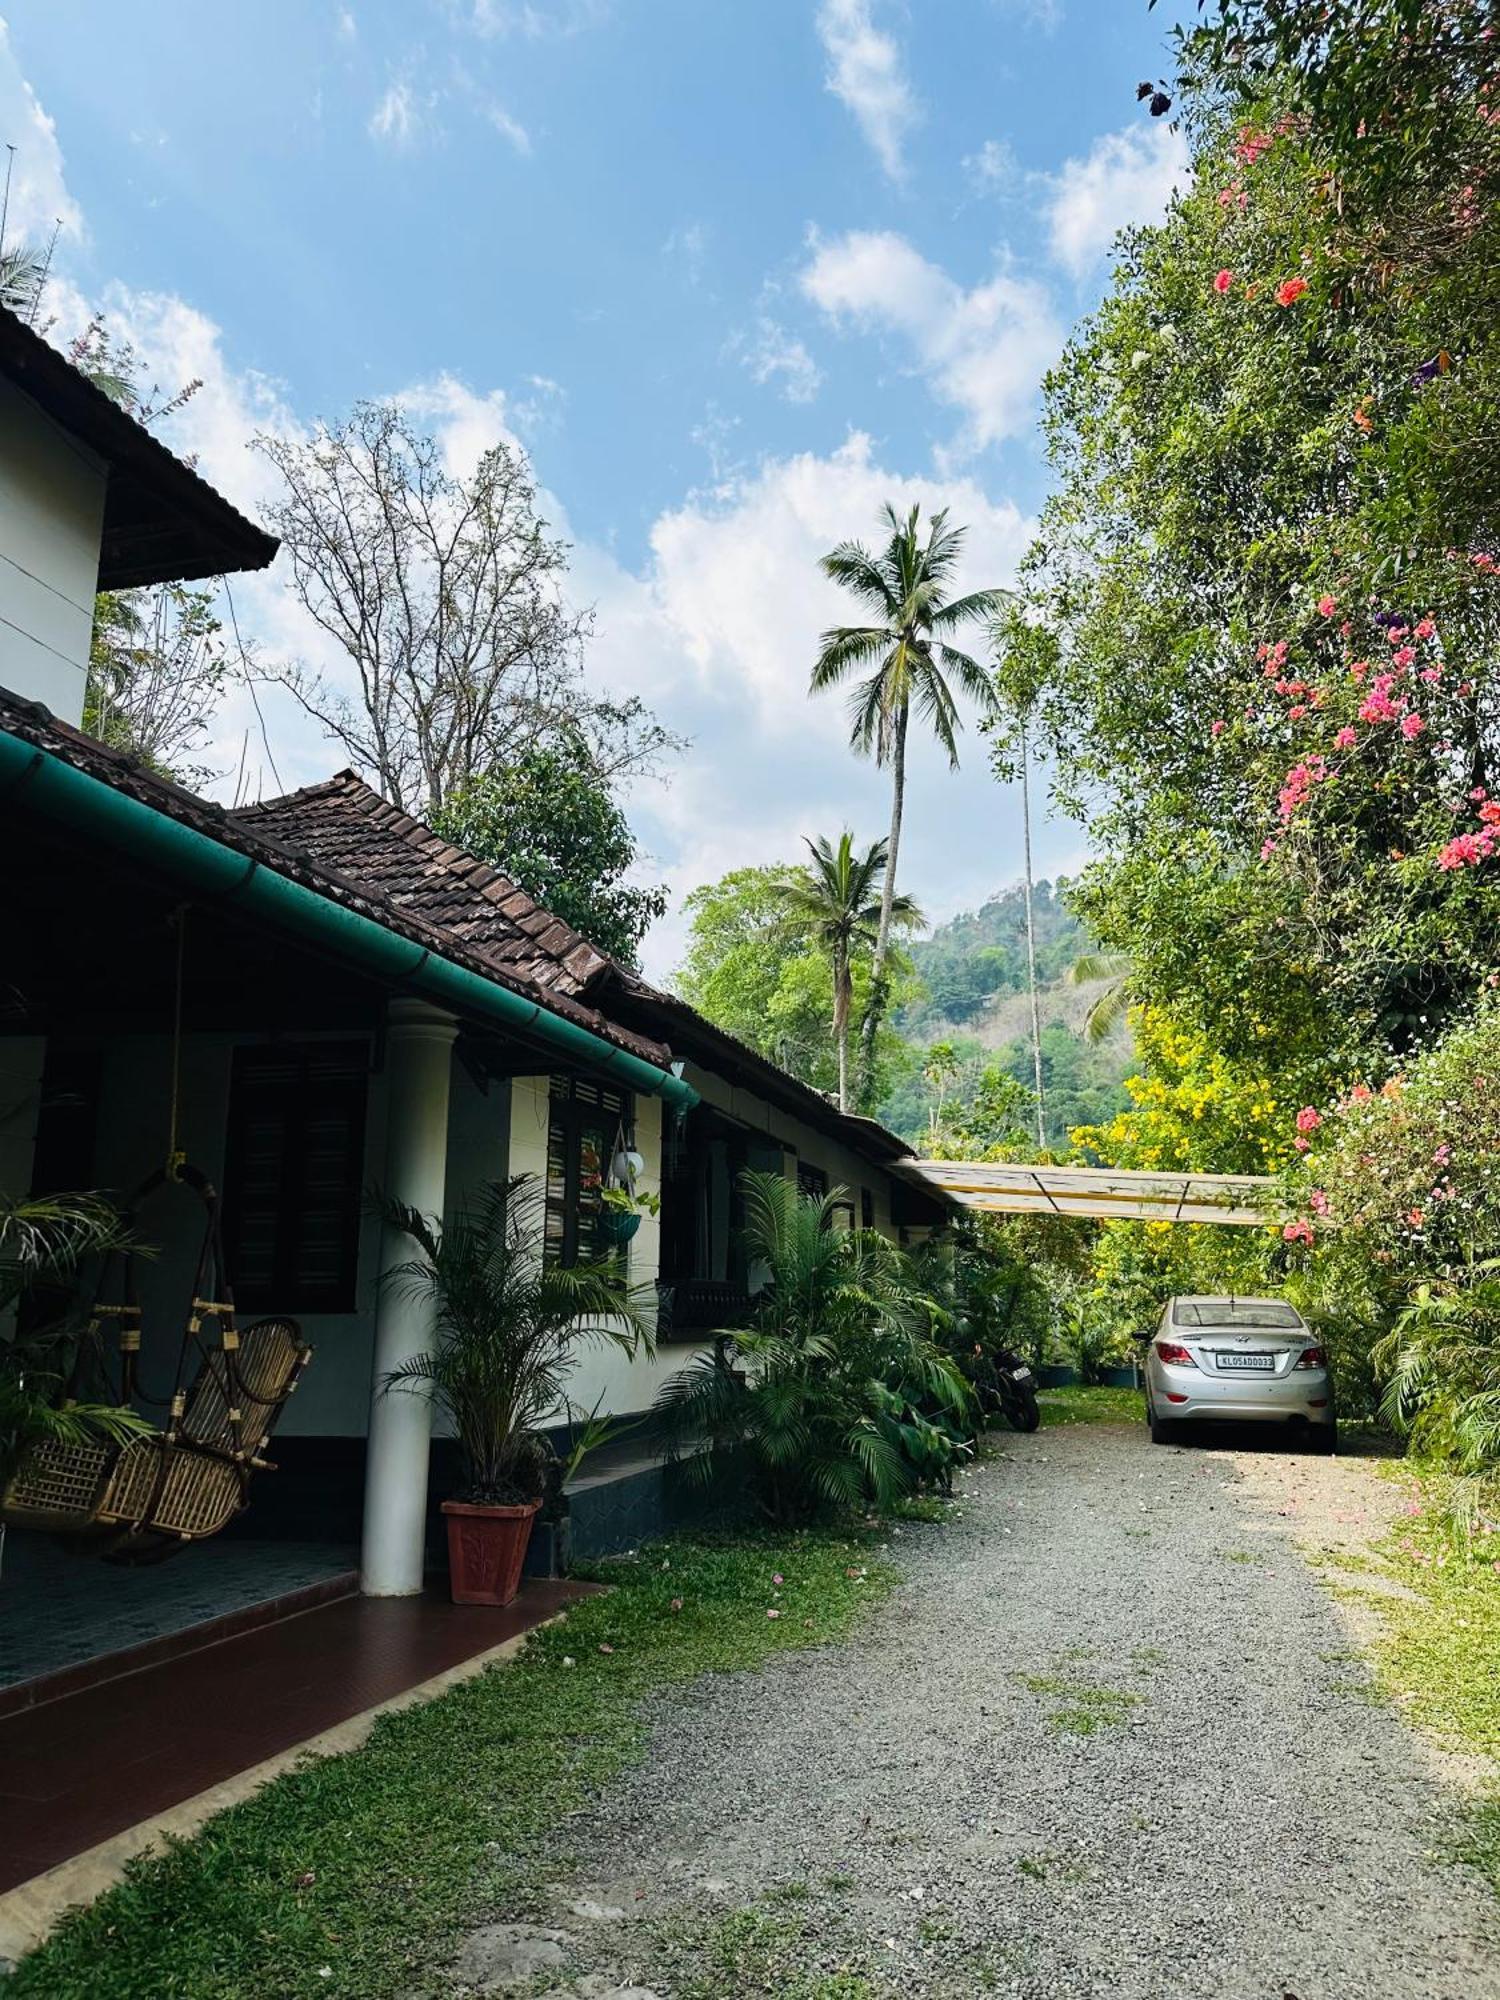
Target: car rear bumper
{"type": "Point", "coordinates": [1304, 1397]}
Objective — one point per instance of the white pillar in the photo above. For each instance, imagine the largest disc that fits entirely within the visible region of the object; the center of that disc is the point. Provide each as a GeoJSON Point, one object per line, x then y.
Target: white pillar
{"type": "Point", "coordinates": [419, 1052]}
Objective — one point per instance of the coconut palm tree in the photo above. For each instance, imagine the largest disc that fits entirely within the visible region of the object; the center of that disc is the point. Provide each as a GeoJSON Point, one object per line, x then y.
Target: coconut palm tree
{"type": "Point", "coordinates": [1113, 1003]}
{"type": "Point", "coordinates": [836, 901]}
{"type": "Point", "coordinates": [903, 658]}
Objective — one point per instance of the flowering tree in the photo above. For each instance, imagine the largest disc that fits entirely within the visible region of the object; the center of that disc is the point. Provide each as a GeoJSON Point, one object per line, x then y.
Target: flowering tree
{"type": "Point", "coordinates": [1273, 592]}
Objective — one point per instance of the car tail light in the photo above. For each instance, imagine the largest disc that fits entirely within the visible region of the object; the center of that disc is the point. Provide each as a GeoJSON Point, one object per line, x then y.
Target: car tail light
{"type": "Point", "coordinates": [1311, 1357]}
{"type": "Point", "coordinates": [1173, 1351]}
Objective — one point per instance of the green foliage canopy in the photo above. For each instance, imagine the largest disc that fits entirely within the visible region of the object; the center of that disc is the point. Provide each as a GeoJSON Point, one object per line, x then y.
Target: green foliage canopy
{"type": "Point", "coordinates": [551, 822]}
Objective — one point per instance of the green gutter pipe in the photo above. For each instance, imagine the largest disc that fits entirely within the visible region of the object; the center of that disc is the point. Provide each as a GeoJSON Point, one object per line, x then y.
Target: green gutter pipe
{"type": "Point", "coordinates": [222, 875]}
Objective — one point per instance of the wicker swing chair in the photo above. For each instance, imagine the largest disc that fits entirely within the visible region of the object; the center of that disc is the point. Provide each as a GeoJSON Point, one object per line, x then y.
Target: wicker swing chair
{"type": "Point", "coordinates": [141, 1500]}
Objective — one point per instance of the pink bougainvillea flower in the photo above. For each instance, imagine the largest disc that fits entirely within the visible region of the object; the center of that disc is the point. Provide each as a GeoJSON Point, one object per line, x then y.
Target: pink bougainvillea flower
{"type": "Point", "coordinates": [1425, 628]}
{"type": "Point", "coordinates": [1466, 850]}
{"type": "Point", "coordinates": [1267, 849]}
{"type": "Point", "coordinates": [1346, 738]}
{"type": "Point", "coordinates": [1301, 1144]}
{"type": "Point", "coordinates": [1317, 1201]}
{"type": "Point", "coordinates": [1489, 812]}
{"type": "Point", "coordinates": [773, 1614]}
{"type": "Point", "coordinates": [1217, 726]}
{"type": "Point", "coordinates": [1404, 656]}
{"type": "Point", "coordinates": [1478, 792]}
{"type": "Point", "coordinates": [1414, 1217]}
{"type": "Point", "coordinates": [1412, 727]}
{"type": "Point", "coordinates": [778, 1578]}
{"type": "Point", "coordinates": [1432, 675]}
{"type": "Point", "coordinates": [1308, 1120]}
{"type": "Point", "coordinates": [1299, 1231]}
{"type": "Point", "coordinates": [1358, 670]}
{"type": "Point", "coordinates": [1361, 1094]}
{"type": "Point", "coordinates": [1327, 605]}
{"type": "Point", "coordinates": [1297, 711]}
{"type": "Point", "coordinates": [1290, 290]}
{"type": "Point", "coordinates": [1222, 281]}
{"type": "Point", "coordinates": [1443, 1155]}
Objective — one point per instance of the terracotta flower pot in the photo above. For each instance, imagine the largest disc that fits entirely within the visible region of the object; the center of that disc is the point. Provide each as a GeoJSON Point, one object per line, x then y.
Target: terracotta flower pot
{"type": "Point", "coordinates": [486, 1550]}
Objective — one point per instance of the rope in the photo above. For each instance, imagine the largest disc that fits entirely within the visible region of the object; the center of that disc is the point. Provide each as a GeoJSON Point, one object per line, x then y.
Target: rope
{"type": "Point", "coordinates": [176, 1158]}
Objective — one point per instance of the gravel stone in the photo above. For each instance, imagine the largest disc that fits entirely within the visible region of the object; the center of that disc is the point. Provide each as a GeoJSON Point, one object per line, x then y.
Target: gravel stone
{"type": "Point", "coordinates": [920, 1807]}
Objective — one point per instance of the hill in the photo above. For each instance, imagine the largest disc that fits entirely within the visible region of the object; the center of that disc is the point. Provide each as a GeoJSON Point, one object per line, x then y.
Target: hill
{"type": "Point", "coordinates": [973, 998]}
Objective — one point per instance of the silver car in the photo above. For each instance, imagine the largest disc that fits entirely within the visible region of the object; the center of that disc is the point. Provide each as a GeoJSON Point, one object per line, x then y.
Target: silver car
{"type": "Point", "coordinates": [1238, 1361]}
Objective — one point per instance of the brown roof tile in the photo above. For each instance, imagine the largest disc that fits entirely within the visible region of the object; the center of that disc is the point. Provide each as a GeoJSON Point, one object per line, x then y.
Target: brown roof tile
{"type": "Point", "coordinates": [344, 824]}
{"type": "Point", "coordinates": [345, 843]}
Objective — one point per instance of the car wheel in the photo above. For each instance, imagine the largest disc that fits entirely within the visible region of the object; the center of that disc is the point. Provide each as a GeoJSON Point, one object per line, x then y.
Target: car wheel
{"type": "Point", "coordinates": [1165, 1432]}
{"type": "Point", "coordinates": [1325, 1439]}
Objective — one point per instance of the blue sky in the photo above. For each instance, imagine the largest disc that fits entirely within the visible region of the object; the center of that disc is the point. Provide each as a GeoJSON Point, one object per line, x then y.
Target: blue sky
{"type": "Point", "coordinates": [732, 275]}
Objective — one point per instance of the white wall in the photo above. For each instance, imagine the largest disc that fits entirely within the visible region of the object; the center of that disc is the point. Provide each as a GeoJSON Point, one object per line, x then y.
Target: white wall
{"type": "Point", "coordinates": [51, 520]}
{"type": "Point", "coordinates": [626, 1387]}
{"type": "Point", "coordinates": [844, 1167]}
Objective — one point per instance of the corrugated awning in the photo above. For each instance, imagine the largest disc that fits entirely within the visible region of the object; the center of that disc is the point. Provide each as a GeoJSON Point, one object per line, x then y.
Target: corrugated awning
{"type": "Point", "coordinates": [1101, 1193]}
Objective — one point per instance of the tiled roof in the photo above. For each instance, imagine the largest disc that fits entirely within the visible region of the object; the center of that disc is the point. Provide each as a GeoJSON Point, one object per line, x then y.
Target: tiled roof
{"type": "Point", "coordinates": [342, 871]}
{"type": "Point", "coordinates": [346, 826]}
{"type": "Point", "coordinates": [163, 522]}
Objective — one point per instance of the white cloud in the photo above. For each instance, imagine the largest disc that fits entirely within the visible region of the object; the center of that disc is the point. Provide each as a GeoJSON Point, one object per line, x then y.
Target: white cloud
{"type": "Point", "coordinates": [401, 117]}
{"type": "Point", "coordinates": [532, 20]}
{"type": "Point", "coordinates": [509, 128]}
{"type": "Point", "coordinates": [983, 351]}
{"type": "Point", "coordinates": [778, 359]}
{"type": "Point", "coordinates": [348, 26]}
{"type": "Point", "coordinates": [994, 169]}
{"type": "Point", "coordinates": [687, 244]}
{"type": "Point", "coordinates": [1043, 14]}
{"type": "Point", "coordinates": [719, 630]}
{"type": "Point", "coordinates": [865, 73]}
{"type": "Point", "coordinates": [39, 198]}
{"type": "Point", "coordinates": [1125, 177]}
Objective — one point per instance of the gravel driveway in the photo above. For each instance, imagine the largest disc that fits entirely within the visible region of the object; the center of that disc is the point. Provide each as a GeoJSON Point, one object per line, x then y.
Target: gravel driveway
{"type": "Point", "coordinates": [1109, 1738]}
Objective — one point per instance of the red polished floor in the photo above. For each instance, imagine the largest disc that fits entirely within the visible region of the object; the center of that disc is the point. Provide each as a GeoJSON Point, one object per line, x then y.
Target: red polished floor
{"type": "Point", "coordinates": [82, 1768]}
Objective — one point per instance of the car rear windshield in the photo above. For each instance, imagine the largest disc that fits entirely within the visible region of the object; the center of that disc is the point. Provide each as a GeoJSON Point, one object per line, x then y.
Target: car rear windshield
{"type": "Point", "coordinates": [1234, 1312]}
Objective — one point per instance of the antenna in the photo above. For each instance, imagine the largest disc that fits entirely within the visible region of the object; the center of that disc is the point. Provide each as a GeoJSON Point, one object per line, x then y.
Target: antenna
{"type": "Point", "coordinates": [10, 167]}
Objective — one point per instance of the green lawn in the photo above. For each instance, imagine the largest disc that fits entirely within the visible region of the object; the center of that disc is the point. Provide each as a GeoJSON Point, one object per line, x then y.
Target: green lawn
{"type": "Point", "coordinates": [1073, 1404]}
{"type": "Point", "coordinates": [1440, 1656]}
{"type": "Point", "coordinates": [346, 1877]}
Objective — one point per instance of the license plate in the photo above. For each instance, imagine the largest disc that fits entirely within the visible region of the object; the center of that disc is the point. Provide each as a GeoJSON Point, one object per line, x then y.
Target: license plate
{"type": "Point", "coordinates": [1258, 1364]}
{"type": "Point", "coordinates": [1020, 1374]}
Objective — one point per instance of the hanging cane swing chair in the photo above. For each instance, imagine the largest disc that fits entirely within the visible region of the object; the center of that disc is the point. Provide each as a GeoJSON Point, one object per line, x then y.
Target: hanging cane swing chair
{"type": "Point", "coordinates": [142, 1498]}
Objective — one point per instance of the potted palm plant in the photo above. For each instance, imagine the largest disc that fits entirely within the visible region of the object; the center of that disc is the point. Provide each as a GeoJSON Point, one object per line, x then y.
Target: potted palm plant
{"type": "Point", "coordinates": [508, 1326]}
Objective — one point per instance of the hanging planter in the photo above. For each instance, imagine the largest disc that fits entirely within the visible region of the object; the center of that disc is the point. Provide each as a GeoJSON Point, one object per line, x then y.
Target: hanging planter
{"type": "Point", "coordinates": [618, 1225]}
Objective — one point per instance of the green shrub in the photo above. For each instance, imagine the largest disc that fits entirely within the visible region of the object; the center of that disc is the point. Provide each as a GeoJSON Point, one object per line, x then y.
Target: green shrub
{"type": "Point", "coordinates": [834, 1394]}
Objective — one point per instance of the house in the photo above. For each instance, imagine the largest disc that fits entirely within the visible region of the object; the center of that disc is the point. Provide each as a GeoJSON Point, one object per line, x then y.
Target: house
{"type": "Point", "coordinates": [316, 996]}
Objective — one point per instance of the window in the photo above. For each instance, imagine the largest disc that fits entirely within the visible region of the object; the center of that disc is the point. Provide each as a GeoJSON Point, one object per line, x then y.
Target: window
{"type": "Point", "coordinates": [866, 1209]}
{"type": "Point", "coordinates": [295, 1162]}
{"type": "Point", "coordinates": [811, 1180]}
{"type": "Point", "coordinates": [586, 1125]}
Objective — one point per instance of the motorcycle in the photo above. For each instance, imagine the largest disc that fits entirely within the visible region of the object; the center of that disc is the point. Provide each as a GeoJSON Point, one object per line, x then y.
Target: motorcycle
{"type": "Point", "coordinates": [1006, 1387]}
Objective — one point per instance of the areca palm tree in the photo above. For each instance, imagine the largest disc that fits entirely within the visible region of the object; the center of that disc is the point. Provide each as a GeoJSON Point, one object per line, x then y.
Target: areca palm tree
{"type": "Point", "coordinates": [903, 658]}
{"type": "Point", "coordinates": [837, 901]}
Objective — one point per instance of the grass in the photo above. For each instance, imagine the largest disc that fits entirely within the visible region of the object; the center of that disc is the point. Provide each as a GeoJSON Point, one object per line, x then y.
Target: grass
{"type": "Point", "coordinates": [347, 1877]}
{"type": "Point", "coordinates": [1086, 1706]}
{"type": "Point", "coordinates": [1438, 1656]}
{"type": "Point", "coordinates": [1074, 1404]}
{"type": "Point", "coordinates": [753, 1952]}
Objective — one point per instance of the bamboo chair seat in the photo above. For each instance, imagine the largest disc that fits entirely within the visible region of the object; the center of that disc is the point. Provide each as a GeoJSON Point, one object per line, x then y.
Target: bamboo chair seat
{"type": "Point", "coordinates": [180, 1485]}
